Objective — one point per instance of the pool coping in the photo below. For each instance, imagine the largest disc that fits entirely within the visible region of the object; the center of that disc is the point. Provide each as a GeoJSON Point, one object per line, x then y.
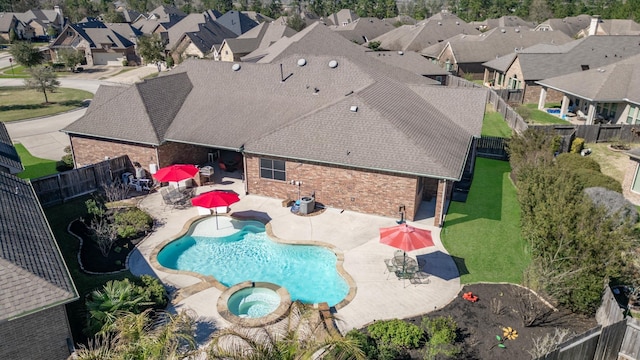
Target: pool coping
{"type": "Point", "coordinates": [210, 281]}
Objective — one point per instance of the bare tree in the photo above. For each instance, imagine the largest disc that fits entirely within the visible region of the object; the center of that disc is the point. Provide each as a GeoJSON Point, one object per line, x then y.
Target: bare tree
{"type": "Point", "coordinates": [103, 233]}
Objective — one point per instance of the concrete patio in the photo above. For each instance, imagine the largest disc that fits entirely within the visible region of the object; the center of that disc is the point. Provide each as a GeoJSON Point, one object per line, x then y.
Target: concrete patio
{"type": "Point", "coordinates": [355, 235]}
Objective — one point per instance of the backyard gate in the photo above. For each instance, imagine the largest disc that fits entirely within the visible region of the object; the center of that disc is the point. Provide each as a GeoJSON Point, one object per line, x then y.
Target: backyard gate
{"type": "Point", "coordinates": [492, 147]}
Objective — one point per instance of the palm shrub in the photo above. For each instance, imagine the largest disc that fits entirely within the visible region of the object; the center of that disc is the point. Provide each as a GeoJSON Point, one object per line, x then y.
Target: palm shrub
{"type": "Point", "coordinates": [118, 297]}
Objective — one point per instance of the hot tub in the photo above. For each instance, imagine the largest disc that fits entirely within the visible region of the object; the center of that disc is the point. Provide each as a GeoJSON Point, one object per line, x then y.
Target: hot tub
{"type": "Point", "coordinates": [253, 304]}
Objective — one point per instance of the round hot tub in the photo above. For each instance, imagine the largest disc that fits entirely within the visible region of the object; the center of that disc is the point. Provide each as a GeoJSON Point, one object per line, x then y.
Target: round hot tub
{"type": "Point", "coordinates": [254, 303]}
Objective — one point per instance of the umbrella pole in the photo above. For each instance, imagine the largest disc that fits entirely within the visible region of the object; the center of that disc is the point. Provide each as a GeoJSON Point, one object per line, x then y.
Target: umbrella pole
{"type": "Point", "coordinates": [216, 211]}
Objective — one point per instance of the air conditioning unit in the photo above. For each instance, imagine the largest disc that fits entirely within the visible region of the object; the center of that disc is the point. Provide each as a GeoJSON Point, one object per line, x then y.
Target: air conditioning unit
{"type": "Point", "coordinates": [153, 168]}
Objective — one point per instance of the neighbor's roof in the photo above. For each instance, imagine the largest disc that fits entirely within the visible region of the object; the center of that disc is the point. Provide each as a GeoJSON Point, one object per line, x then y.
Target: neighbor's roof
{"type": "Point", "coordinates": [341, 17]}
{"type": "Point", "coordinates": [140, 113]}
{"type": "Point", "coordinates": [260, 37]}
{"type": "Point", "coordinates": [434, 30]}
{"type": "Point", "coordinates": [237, 22]}
{"type": "Point", "coordinates": [616, 82]}
{"type": "Point", "coordinates": [363, 29]}
{"type": "Point", "coordinates": [506, 21]}
{"type": "Point", "coordinates": [210, 35]}
{"type": "Point", "coordinates": [6, 21]}
{"type": "Point", "coordinates": [409, 60]}
{"type": "Point", "coordinates": [570, 25]}
{"type": "Point", "coordinates": [257, 17]}
{"type": "Point", "coordinates": [538, 63]}
{"type": "Point", "coordinates": [618, 27]}
{"type": "Point", "coordinates": [496, 42]}
{"type": "Point", "coordinates": [33, 275]}
{"type": "Point", "coordinates": [8, 155]}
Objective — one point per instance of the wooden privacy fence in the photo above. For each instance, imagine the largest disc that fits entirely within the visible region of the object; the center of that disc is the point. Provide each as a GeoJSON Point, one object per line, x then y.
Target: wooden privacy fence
{"type": "Point", "coordinates": [513, 119]}
{"type": "Point", "coordinates": [492, 147]}
{"type": "Point", "coordinates": [595, 133]}
{"type": "Point", "coordinates": [58, 188]}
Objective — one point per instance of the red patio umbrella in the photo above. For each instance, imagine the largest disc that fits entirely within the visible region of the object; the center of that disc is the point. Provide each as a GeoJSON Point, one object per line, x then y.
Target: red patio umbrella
{"type": "Point", "coordinates": [406, 238]}
{"type": "Point", "coordinates": [176, 172]}
{"type": "Point", "coordinates": [214, 199]}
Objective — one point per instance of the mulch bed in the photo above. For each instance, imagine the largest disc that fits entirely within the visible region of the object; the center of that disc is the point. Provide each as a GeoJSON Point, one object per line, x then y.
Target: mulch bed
{"type": "Point", "coordinates": [480, 322]}
{"type": "Point", "coordinates": [92, 259]}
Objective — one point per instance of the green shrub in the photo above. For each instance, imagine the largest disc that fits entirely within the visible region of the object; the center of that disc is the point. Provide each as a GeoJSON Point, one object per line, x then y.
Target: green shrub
{"type": "Point", "coordinates": [153, 291]}
{"type": "Point", "coordinates": [574, 161]}
{"type": "Point", "coordinates": [95, 208]}
{"type": "Point", "coordinates": [125, 62]}
{"type": "Point", "coordinates": [391, 352]}
{"type": "Point", "coordinates": [66, 163]}
{"type": "Point", "coordinates": [365, 343]}
{"type": "Point", "coordinates": [577, 145]}
{"type": "Point", "coordinates": [442, 336]}
{"type": "Point", "coordinates": [132, 222]}
{"type": "Point", "coordinates": [590, 178]}
{"type": "Point", "coordinates": [396, 332]}
{"type": "Point", "coordinates": [169, 61]}
{"type": "Point", "coordinates": [555, 143]}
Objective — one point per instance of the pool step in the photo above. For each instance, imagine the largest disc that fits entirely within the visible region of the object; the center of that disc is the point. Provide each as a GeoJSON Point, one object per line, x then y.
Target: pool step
{"type": "Point", "coordinates": [327, 318]}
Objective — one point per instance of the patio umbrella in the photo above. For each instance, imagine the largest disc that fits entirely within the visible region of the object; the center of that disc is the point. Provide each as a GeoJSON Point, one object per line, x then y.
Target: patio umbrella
{"type": "Point", "coordinates": [176, 172]}
{"type": "Point", "coordinates": [406, 238]}
{"type": "Point", "coordinates": [214, 199]}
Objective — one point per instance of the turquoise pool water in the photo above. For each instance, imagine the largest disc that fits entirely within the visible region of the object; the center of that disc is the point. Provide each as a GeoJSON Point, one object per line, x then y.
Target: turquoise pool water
{"type": "Point", "coordinates": [308, 272]}
{"type": "Point", "coordinates": [253, 302]}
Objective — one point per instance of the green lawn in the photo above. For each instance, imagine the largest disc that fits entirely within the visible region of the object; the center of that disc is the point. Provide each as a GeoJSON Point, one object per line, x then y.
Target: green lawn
{"type": "Point", "coordinates": [34, 167]}
{"type": "Point", "coordinates": [18, 71]}
{"type": "Point", "coordinates": [494, 124]}
{"type": "Point", "coordinates": [18, 103]}
{"type": "Point", "coordinates": [542, 117]}
{"type": "Point", "coordinates": [484, 232]}
{"type": "Point", "coordinates": [59, 218]}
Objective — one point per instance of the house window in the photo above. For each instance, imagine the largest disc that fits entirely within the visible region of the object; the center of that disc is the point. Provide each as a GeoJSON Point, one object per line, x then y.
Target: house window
{"type": "Point", "coordinates": [636, 181]}
{"type": "Point", "coordinates": [272, 169]}
{"type": "Point", "coordinates": [633, 117]}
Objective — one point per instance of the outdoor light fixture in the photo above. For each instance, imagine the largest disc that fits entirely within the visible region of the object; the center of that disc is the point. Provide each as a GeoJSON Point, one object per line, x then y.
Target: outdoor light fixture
{"type": "Point", "coordinates": [297, 183]}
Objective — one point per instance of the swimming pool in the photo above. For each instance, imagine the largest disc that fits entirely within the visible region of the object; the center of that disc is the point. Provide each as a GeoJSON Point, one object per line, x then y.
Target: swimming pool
{"type": "Point", "coordinates": [308, 272]}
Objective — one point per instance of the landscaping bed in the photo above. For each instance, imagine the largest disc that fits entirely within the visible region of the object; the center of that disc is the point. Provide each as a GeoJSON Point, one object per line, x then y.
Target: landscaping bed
{"type": "Point", "coordinates": [91, 258]}
{"type": "Point", "coordinates": [500, 306]}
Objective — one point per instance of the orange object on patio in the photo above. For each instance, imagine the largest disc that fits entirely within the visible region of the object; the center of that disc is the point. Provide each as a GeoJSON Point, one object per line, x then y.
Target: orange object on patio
{"type": "Point", "coordinates": [176, 172]}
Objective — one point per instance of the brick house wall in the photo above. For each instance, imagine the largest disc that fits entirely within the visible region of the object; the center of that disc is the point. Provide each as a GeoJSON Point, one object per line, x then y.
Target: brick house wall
{"type": "Point", "coordinates": [629, 175]}
{"type": "Point", "coordinates": [42, 335]}
{"type": "Point", "coordinates": [343, 188]}
{"type": "Point", "coordinates": [88, 151]}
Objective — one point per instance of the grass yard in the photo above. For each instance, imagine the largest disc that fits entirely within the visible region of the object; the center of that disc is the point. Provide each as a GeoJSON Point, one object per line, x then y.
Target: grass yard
{"type": "Point", "coordinates": [18, 71]}
{"type": "Point", "coordinates": [34, 167]}
{"type": "Point", "coordinates": [18, 103]}
{"type": "Point", "coordinates": [542, 117]}
{"type": "Point", "coordinates": [59, 218]}
{"type": "Point", "coordinates": [493, 124]}
{"type": "Point", "coordinates": [484, 232]}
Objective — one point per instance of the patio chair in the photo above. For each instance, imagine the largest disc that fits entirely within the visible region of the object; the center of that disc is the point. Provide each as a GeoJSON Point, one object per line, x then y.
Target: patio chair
{"type": "Point", "coordinates": [420, 277]}
{"type": "Point", "coordinates": [391, 267]}
{"type": "Point", "coordinates": [178, 199]}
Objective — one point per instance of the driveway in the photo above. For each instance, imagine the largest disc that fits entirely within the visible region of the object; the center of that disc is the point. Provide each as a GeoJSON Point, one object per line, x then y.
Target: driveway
{"type": "Point", "coordinates": [42, 136]}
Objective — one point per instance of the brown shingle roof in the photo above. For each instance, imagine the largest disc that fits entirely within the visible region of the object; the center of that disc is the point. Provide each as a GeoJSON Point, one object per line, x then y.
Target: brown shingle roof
{"type": "Point", "coordinates": [33, 275]}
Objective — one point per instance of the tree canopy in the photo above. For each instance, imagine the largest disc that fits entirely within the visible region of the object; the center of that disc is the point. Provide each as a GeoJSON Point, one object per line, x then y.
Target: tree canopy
{"type": "Point", "coordinates": [42, 79]}
{"type": "Point", "coordinates": [26, 54]}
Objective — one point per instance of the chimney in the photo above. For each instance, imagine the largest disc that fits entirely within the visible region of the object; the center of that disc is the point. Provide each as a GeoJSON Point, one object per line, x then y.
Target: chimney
{"type": "Point", "coordinates": [593, 27]}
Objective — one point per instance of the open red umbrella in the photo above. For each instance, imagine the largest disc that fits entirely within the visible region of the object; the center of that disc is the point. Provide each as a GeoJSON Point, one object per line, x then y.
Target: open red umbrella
{"type": "Point", "coordinates": [176, 172]}
{"type": "Point", "coordinates": [214, 199]}
{"type": "Point", "coordinates": [406, 238]}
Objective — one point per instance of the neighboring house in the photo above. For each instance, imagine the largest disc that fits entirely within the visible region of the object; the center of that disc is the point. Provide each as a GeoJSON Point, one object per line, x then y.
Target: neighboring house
{"type": "Point", "coordinates": [257, 17]}
{"type": "Point", "coordinates": [42, 20]}
{"type": "Point", "coordinates": [413, 62]}
{"type": "Point", "coordinates": [260, 37]}
{"type": "Point", "coordinates": [361, 134]}
{"type": "Point", "coordinates": [237, 22]}
{"type": "Point", "coordinates": [464, 55]}
{"type": "Point", "coordinates": [570, 25]}
{"type": "Point", "coordinates": [504, 21]}
{"type": "Point", "coordinates": [201, 43]}
{"type": "Point", "coordinates": [100, 44]}
{"type": "Point", "coordinates": [307, 17]}
{"type": "Point", "coordinates": [195, 36]}
{"type": "Point", "coordinates": [159, 20]}
{"type": "Point", "coordinates": [129, 16]}
{"type": "Point", "coordinates": [521, 70]}
{"type": "Point", "coordinates": [341, 18]}
{"type": "Point", "coordinates": [631, 182]}
{"type": "Point", "coordinates": [9, 159]}
{"type": "Point", "coordinates": [362, 30]}
{"type": "Point", "coordinates": [431, 31]}
{"type": "Point", "coordinates": [9, 21]}
{"type": "Point", "coordinates": [36, 283]}
{"type": "Point", "coordinates": [599, 26]}
{"type": "Point", "coordinates": [605, 94]}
